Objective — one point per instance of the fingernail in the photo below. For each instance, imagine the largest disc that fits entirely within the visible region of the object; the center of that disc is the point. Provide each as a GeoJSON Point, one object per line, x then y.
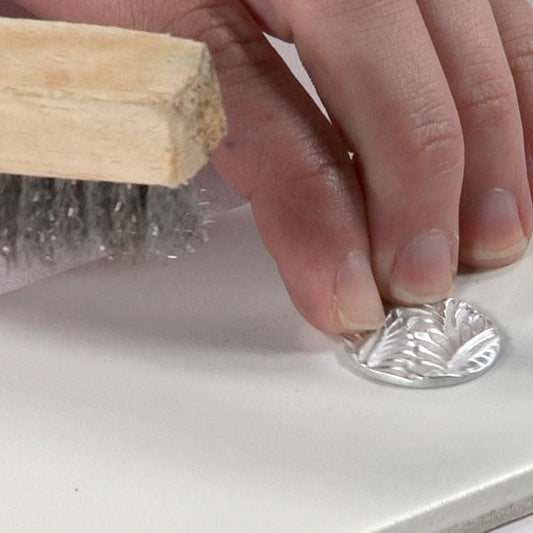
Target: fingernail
{"type": "Point", "coordinates": [357, 299]}
{"type": "Point", "coordinates": [491, 230]}
{"type": "Point", "coordinates": [423, 270]}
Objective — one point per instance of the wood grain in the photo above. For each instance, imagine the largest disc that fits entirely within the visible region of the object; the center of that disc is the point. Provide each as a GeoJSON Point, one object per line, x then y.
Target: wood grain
{"type": "Point", "coordinates": [106, 104]}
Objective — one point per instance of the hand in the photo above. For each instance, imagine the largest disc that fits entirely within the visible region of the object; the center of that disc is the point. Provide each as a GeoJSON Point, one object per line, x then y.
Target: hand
{"type": "Point", "coordinates": [436, 100]}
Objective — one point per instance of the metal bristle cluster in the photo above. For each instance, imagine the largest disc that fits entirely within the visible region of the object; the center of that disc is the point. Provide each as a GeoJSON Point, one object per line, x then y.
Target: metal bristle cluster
{"type": "Point", "coordinates": [52, 220]}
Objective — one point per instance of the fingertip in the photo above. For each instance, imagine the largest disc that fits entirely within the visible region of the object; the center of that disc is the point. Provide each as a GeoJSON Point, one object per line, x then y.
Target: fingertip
{"type": "Point", "coordinates": [356, 298]}
{"type": "Point", "coordinates": [334, 297]}
{"type": "Point", "coordinates": [423, 270]}
{"type": "Point", "coordinates": [492, 230]}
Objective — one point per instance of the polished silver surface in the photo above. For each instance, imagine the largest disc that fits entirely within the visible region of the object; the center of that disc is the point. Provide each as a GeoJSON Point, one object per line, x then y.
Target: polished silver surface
{"type": "Point", "coordinates": [429, 346]}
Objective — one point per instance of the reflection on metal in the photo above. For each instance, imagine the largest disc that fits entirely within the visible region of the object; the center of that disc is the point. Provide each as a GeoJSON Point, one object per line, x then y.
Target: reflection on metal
{"type": "Point", "coordinates": [429, 346]}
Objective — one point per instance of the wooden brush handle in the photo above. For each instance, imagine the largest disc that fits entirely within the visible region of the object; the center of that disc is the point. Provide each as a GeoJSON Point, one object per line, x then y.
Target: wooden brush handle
{"type": "Point", "coordinates": [106, 104]}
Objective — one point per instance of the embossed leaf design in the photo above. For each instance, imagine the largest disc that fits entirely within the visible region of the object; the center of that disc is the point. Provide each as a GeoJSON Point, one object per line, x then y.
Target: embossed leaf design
{"type": "Point", "coordinates": [475, 354]}
{"type": "Point", "coordinates": [449, 339]}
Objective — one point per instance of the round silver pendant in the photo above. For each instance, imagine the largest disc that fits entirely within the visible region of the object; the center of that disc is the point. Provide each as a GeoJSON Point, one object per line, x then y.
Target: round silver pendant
{"type": "Point", "coordinates": [434, 345]}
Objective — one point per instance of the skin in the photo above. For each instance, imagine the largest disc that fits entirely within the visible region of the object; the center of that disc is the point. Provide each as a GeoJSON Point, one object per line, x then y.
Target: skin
{"type": "Point", "coordinates": [434, 98]}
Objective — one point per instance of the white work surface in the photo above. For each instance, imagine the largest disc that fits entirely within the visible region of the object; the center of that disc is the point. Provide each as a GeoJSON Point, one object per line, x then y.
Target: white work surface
{"type": "Point", "coordinates": [191, 396]}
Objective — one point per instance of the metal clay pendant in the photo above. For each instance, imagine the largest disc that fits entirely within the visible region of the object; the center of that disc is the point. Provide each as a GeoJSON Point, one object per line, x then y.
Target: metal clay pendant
{"type": "Point", "coordinates": [433, 345]}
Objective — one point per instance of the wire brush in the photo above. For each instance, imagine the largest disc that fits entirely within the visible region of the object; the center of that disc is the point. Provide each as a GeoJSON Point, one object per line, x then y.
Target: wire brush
{"type": "Point", "coordinates": [119, 121]}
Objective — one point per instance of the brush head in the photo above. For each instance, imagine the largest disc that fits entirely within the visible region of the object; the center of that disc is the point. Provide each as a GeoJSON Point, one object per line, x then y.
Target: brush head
{"type": "Point", "coordinates": [52, 221]}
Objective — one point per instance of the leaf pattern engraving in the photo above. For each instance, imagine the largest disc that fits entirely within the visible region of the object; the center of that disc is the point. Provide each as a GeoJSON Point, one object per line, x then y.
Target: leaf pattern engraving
{"type": "Point", "coordinates": [427, 346]}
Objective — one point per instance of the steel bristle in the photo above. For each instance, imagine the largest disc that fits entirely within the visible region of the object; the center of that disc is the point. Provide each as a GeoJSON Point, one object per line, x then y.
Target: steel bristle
{"type": "Point", "coordinates": [48, 221]}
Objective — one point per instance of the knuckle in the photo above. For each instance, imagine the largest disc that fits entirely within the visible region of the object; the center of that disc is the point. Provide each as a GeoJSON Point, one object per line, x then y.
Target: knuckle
{"type": "Point", "coordinates": [233, 39]}
{"type": "Point", "coordinates": [518, 41]}
{"type": "Point", "coordinates": [347, 14]}
{"type": "Point", "coordinates": [520, 55]}
{"type": "Point", "coordinates": [431, 142]}
{"type": "Point", "coordinates": [489, 99]}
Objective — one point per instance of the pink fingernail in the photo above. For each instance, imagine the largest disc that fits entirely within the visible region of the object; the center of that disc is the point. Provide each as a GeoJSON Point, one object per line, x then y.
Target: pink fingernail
{"type": "Point", "coordinates": [357, 299]}
{"type": "Point", "coordinates": [491, 230]}
{"type": "Point", "coordinates": [423, 270]}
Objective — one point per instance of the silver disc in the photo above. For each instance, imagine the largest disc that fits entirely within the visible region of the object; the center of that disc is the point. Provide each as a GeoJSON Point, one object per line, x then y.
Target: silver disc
{"type": "Point", "coordinates": [428, 346]}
